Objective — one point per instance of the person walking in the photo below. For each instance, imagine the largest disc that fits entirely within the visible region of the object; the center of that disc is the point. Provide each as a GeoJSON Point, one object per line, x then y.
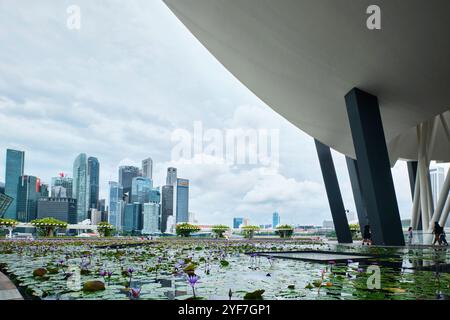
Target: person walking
{"type": "Point", "coordinates": [367, 235]}
{"type": "Point", "coordinates": [410, 235]}
{"type": "Point", "coordinates": [437, 231]}
{"type": "Point", "coordinates": [442, 237]}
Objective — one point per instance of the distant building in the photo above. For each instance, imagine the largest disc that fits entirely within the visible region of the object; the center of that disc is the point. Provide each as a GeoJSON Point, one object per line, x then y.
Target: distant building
{"type": "Point", "coordinates": [192, 217]}
{"type": "Point", "coordinates": [14, 170]}
{"type": "Point", "coordinates": [140, 189]}
{"type": "Point", "coordinates": [437, 177]}
{"type": "Point", "coordinates": [116, 205]}
{"type": "Point", "coordinates": [181, 200]}
{"type": "Point", "coordinates": [132, 220]}
{"type": "Point", "coordinates": [81, 190]}
{"type": "Point", "coordinates": [150, 217]}
{"type": "Point", "coordinates": [96, 216]}
{"type": "Point", "coordinates": [170, 224]}
{"type": "Point", "coordinates": [147, 168]}
{"type": "Point", "coordinates": [126, 175]}
{"type": "Point", "coordinates": [64, 209]}
{"type": "Point", "coordinates": [28, 194]}
{"type": "Point", "coordinates": [171, 178]}
{"type": "Point", "coordinates": [94, 181]}
{"type": "Point", "coordinates": [245, 222]}
{"type": "Point", "coordinates": [44, 190]}
{"type": "Point", "coordinates": [166, 205]}
{"type": "Point", "coordinates": [275, 219]}
{"type": "Point", "coordinates": [328, 224]}
{"type": "Point", "coordinates": [237, 222]}
{"type": "Point", "coordinates": [60, 183]}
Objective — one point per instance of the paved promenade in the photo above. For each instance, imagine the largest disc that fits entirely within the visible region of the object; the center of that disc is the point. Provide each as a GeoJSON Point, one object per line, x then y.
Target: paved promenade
{"type": "Point", "coordinates": [8, 290]}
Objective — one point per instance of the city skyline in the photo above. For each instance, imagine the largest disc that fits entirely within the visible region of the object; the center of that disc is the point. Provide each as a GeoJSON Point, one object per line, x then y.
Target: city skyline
{"type": "Point", "coordinates": [136, 100]}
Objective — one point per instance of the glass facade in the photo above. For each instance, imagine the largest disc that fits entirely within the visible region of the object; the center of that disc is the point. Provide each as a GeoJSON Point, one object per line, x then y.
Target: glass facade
{"type": "Point", "coordinates": [28, 194]}
{"type": "Point", "coordinates": [182, 200]}
{"type": "Point", "coordinates": [94, 182]}
{"type": "Point", "coordinates": [14, 170]}
{"type": "Point", "coordinates": [147, 168]}
{"type": "Point", "coordinates": [140, 189]}
{"type": "Point", "coordinates": [171, 178]}
{"type": "Point", "coordinates": [126, 175]}
{"type": "Point", "coordinates": [115, 205]}
{"type": "Point", "coordinates": [166, 205]}
{"type": "Point", "coordinates": [132, 221]}
{"type": "Point", "coordinates": [275, 219]}
{"type": "Point", "coordinates": [80, 186]}
{"type": "Point", "coordinates": [237, 222]}
{"type": "Point", "coordinates": [62, 182]}
{"type": "Point", "coordinates": [150, 215]}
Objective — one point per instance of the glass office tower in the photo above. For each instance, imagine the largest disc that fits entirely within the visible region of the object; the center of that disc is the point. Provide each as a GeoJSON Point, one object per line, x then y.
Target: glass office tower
{"type": "Point", "coordinates": [14, 170]}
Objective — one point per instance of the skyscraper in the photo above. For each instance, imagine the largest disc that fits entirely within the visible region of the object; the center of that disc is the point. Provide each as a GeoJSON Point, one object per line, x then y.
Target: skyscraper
{"type": "Point", "coordinates": [166, 205]}
{"type": "Point", "coordinates": [126, 175]}
{"type": "Point", "coordinates": [437, 177]}
{"type": "Point", "coordinates": [64, 209]}
{"type": "Point", "coordinates": [147, 168]}
{"type": "Point", "coordinates": [62, 181]}
{"type": "Point", "coordinates": [140, 189]}
{"type": "Point", "coordinates": [81, 186]}
{"type": "Point", "coordinates": [237, 222]}
{"type": "Point", "coordinates": [44, 190]}
{"type": "Point", "coordinates": [171, 178]}
{"type": "Point", "coordinates": [275, 219]}
{"type": "Point", "coordinates": [182, 200]}
{"type": "Point", "coordinates": [94, 182]}
{"type": "Point", "coordinates": [132, 218]}
{"type": "Point", "coordinates": [150, 218]}
{"type": "Point", "coordinates": [14, 170]}
{"type": "Point", "coordinates": [28, 194]}
{"type": "Point", "coordinates": [116, 205]}
{"type": "Point", "coordinates": [2, 187]}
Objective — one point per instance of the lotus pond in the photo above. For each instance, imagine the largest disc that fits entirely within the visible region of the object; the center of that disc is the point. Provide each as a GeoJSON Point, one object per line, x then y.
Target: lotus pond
{"type": "Point", "coordinates": [217, 269]}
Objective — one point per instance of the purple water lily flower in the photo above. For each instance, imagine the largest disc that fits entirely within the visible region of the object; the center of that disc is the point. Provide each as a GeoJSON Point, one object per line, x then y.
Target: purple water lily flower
{"type": "Point", "coordinates": [130, 270]}
{"type": "Point", "coordinates": [109, 273]}
{"type": "Point", "coordinates": [193, 279]}
{"type": "Point", "coordinates": [102, 273]}
{"type": "Point", "coordinates": [360, 270]}
{"type": "Point", "coordinates": [349, 261]}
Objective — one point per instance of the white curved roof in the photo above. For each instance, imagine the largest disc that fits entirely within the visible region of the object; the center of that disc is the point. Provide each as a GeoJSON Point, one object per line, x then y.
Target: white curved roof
{"type": "Point", "coordinates": [302, 56]}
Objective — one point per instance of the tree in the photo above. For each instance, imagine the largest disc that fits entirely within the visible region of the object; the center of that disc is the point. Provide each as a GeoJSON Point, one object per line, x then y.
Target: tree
{"type": "Point", "coordinates": [185, 229]}
{"type": "Point", "coordinates": [48, 225]}
{"type": "Point", "coordinates": [105, 228]}
{"type": "Point", "coordinates": [354, 230]}
{"type": "Point", "coordinates": [249, 231]}
{"type": "Point", "coordinates": [284, 231]}
{"type": "Point", "coordinates": [219, 230]}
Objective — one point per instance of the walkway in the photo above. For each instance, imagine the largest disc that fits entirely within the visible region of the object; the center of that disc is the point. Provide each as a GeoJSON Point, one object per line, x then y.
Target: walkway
{"type": "Point", "coordinates": [8, 290]}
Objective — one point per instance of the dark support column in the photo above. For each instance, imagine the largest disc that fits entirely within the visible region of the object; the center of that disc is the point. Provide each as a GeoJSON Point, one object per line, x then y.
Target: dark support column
{"type": "Point", "coordinates": [334, 193]}
{"type": "Point", "coordinates": [352, 166]}
{"type": "Point", "coordinates": [374, 168]}
{"type": "Point", "coordinates": [412, 173]}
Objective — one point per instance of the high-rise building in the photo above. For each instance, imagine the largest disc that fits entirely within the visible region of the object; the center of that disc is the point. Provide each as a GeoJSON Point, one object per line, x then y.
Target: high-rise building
{"type": "Point", "coordinates": [181, 200]}
{"type": "Point", "coordinates": [14, 170]}
{"type": "Point", "coordinates": [275, 219]}
{"type": "Point", "coordinates": [437, 177]}
{"type": "Point", "coordinates": [116, 205]}
{"type": "Point", "coordinates": [28, 194]}
{"type": "Point", "coordinates": [154, 195]}
{"type": "Point", "coordinates": [2, 187]}
{"type": "Point", "coordinates": [171, 178]}
{"type": "Point", "coordinates": [147, 168]}
{"type": "Point", "coordinates": [44, 190]}
{"type": "Point", "coordinates": [237, 222]}
{"type": "Point", "coordinates": [5, 202]}
{"type": "Point", "coordinates": [150, 215]}
{"type": "Point", "coordinates": [132, 219]}
{"type": "Point", "coordinates": [81, 190]}
{"type": "Point", "coordinates": [94, 182]}
{"type": "Point", "coordinates": [64, 209]}
{"type": "Point", "coordinates": [166, 205]}
{"type": "Point", "coordinates": [96, 216]}
{"type": "Point", "coordinates": [126, 175]}
{"type": "Point", "coordinates": [140, 189]}
{"type": "Point", "coordinates": [64, 182]}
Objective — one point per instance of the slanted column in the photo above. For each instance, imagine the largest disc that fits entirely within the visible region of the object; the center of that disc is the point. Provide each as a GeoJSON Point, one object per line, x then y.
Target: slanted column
{"type": "Point", "coordinates": [352, 166]}
{"type": "Point", "coordinates": [412, 174]}
{"type": "Point", "coordinates": [333, 193]}
{"type": "Point", "coordinates": [374, 168]}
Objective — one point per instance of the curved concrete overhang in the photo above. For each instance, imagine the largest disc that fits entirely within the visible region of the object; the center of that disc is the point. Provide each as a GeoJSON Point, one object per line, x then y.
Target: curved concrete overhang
{"type": "Point", "coordinates": [302, 56]}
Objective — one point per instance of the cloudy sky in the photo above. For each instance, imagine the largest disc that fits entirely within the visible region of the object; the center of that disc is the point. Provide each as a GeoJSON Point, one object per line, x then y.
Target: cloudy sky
{"type": "Point", "coordinates": [121, 85]}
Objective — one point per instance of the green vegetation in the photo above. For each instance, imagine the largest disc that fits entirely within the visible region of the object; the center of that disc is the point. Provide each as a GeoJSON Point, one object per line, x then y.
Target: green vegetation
{"type": "Point", "coordinates": [47, 226]}
{"type": "Point", "coordinates": [219, 230]}
{"type": "Point", "coordinates": [186, 229]}
{"type": "Point", "coordinates": [285, 231]}
{"type": "Point", "coordinates": [249, 231]}
{"type": "Point", "coordinates": [105, 229]}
